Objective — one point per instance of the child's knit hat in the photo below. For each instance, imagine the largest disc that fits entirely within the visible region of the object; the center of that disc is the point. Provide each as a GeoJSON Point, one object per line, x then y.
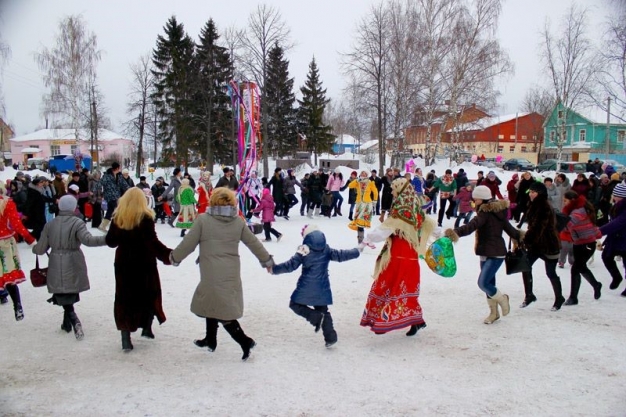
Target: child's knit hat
{"type": "Point", "coordinates": [308, 228]}
{"type": "Point", "coordinates": [266, 191]}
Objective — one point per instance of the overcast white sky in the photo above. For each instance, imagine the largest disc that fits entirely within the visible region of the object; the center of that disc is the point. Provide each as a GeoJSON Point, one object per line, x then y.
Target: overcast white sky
{"type": "Point", "coordinates": [324, 28]}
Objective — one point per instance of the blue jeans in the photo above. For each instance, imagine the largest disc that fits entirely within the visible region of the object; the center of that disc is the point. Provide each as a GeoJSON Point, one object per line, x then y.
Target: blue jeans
{"type": "Point", "coordinates": [463, 216]}
{"type": "Point", "coordinates": [337, 200]}
{"type": "Point", "coordinates": [487, 277]}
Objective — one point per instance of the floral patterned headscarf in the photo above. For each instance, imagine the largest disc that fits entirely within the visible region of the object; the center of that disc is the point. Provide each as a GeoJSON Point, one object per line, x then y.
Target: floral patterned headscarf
{"type": "Point", "coordinates": [406, 206]}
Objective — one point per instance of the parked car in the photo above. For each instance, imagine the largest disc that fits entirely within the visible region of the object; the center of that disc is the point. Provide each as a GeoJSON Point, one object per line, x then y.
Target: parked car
{"type": "Point", "coordinates": [518, 164]}
{"type": "Point", "coordinates": [568, 166]}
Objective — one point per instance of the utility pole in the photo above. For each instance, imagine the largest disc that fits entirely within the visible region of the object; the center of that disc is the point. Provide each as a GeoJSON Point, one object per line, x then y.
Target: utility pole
{"type": "Point", "coordinates": [607, 144]}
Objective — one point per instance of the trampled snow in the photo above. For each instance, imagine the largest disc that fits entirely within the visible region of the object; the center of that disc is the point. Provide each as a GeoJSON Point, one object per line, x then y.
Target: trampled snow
{"type": "Point", "coordinates": [532, 362]}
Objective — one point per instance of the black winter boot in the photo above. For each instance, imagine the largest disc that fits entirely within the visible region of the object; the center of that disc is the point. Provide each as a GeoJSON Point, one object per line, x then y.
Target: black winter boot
{"type": "Point", "coordinates": [147, 330]}
{"type": "Point", "coordinates": [528, 290]}
{"type": "Point", "coordinates": [572, 300]}
{"type": "Point", "coordinates": [597, 286]}
{"type": "Point", "coordinates": [558, 294]}
{"type": "Point", "coordinates": [14, 293]}
{"type": "Point", "coordinates": [210, 340]}
{"type": "Point", "coordinates": [127, 346]}
{"type": "Point", "coordinates": [76, 325]}
{"type": "Point", "coordinates": [246, 343]}
{"type": "Point", "coordinates": [330, 335]}
{"type": "Point", "coordinates": [66, 325]}
{"type": "Point", "coordinates": [415, 328]}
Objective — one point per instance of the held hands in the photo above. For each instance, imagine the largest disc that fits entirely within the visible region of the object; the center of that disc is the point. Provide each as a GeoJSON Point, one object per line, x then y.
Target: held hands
{"type": "Point", "coordinates": [361, 247]}
{"type": "Point", "coordinates": [599, 246]}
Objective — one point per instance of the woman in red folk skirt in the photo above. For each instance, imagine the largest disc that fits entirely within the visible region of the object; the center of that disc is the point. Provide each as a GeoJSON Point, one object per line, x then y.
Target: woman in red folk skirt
{"type": "Point", "coordinates": [393, 301]}
{"type": "Point", "coordinates": [12, 273]}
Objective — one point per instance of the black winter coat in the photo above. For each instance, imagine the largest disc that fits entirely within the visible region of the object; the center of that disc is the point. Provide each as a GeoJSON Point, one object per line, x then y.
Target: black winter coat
{"type": "Point", "coordinates": [542, 237]}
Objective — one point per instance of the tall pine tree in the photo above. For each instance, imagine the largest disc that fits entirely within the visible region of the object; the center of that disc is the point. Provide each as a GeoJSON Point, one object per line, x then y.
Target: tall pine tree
{"type": "Point", "coordinates": [279, 104]}
{"type": "Point", "coordinates": [311, 114]}
{"type": "Point", "coordinates": [173, 97]}
{"type": "Point", "coordinates": [213, 112]}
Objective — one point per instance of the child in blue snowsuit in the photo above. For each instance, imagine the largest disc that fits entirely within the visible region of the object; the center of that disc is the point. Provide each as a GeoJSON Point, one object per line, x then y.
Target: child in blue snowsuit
{"type": "Point", "coordinates": [313, 288]}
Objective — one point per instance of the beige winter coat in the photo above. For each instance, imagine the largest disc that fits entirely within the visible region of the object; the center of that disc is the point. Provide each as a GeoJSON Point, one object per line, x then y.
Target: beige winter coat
{"type": "Point", "coordinates": [219, 294]}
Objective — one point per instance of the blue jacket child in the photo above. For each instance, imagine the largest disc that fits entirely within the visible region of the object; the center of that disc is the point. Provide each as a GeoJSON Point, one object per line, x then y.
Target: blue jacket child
{"type": "Point", "coordinates": [313, 288]}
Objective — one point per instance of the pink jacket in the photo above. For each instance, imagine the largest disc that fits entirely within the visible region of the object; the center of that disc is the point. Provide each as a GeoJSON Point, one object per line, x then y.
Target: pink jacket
{"type": "Point", "coordinates": [266, 208]}
{"type": "Point", "coordinates": [334, 183]}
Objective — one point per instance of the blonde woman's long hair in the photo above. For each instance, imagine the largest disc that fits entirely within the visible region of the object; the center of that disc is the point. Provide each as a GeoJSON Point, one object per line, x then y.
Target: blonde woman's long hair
{"type": "Point", "coordinates": [131, 209]}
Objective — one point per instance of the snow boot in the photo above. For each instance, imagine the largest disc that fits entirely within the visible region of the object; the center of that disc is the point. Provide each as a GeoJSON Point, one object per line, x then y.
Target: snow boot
{"type": "Point", "coordinates": [503, 301]}
{"type": "Point", "coordinates": [14, 293]}
{"type": "Point", "coordinates": [67, 324]}
{"type": "Point", "coordinates": [127, 345]}
{"type": "Point", "coordinates": [147, 330]}
{"type": "Point", "coordinates": [558, 294]}
{"type": "Point", "coordinates": [182, 232]}
{"type": "Point", "coordinates": [317, 212]}
{"type": "Point", "coordinates": [493, 311]}
{"type": "Point", "coordinates": [104, 225]}
{"type": "Point", "coordinates": [415, 328]}
{"type": "Point", "coordinates": [247, 344]}
{"type": "Point", "coordinates": [330, 335]}
{"type": "Point", "coordinates": [309, 213]}
{"type": "Point", "coordinates": [617, 281]}
{"type": "Point", "coordinates": [528, 290]}
{"type": "Point", "coordinates": [210, 339]}
{"type": "Point", "coordinates": [76, 325]}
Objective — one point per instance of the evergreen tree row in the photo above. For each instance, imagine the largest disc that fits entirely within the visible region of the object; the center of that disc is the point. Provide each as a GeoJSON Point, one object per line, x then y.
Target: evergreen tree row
{"type": "Point", "coordinates": [194, 110]}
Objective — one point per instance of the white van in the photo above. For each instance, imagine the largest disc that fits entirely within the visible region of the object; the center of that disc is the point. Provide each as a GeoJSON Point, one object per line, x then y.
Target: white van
{"type": "Point", "coordinates": [37, 161]}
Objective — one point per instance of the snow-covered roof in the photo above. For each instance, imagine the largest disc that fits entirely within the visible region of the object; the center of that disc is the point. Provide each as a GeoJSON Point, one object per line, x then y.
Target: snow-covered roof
{"type": "Point", "coordinates": [596, 115]}
{"type": "Point", "coordinates": [369, 144]}
{"type": "Point", "coordinates": [344, 139]}
{"type": "Point", "coordinates": [486, 122]}
{"type": "Point", "coordinates": [68, 134]}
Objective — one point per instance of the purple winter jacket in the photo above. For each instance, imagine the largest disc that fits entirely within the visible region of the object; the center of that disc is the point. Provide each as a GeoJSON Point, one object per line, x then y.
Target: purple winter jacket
{"type": "Point", "coordinates": [615, 230]}
{"type": "Point", "coordinates": [464, 199]}
{"type": "Point", "coordinates": [266, 208]}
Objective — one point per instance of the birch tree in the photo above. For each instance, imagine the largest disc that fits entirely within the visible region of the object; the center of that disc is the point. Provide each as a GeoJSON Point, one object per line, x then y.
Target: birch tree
{"type": "Point", "coordinates": [69, 71]}
{"type": "Point", "coordinates": [138, 107]}
{"type": "Point", "coordinates": [610, 78]}
{"type": "Point", "coordinates": [570, 64]}
{"type": "Point", "coordinates": [475, 61]}
{"type": "Point", "coordinates": [368, 64]}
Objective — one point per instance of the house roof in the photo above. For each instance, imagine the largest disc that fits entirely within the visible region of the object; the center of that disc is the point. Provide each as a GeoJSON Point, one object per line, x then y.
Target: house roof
{"type": "Point", "coordinates": [68, 134]}
{"type": "Point", "coordinates": [486, 122]}
{"type": "Point", "coordinates": [369, 144]}
{"type": "Point", "coordinates": [344, 139]}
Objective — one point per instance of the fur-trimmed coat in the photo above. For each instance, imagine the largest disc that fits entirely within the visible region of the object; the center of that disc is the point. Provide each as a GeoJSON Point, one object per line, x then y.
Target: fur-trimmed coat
{"type": "Point", "coordinates": [489, 222]}
{"type": "Point", "coordinates": [542, 236]}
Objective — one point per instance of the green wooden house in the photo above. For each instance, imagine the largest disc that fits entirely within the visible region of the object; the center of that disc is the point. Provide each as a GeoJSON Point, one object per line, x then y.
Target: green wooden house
{"type": "Point", "coordinates": [585, 133]}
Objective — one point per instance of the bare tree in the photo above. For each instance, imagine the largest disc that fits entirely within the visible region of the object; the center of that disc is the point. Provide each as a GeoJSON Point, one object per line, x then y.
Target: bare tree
{"type": "Point", "coordinates": [266, 28]}
{"type": "Point", "coordinates": [436, 42]}
{"type": "Point", "coordinates": [570, 62]}
{"type": "Point", "coordinates": [139, 106]}
{"type": "Point", "coordinates": [475, 61]}
{"type": "Point", "coordinates": [538, 100]}
{"type": "Point", "coordinates": [404, 76]}
{"type": "Point", "coordinates": [69, 68]}
{"type": "Point", "coordinates": [368, 64]}
{"type": "Point", "coordinates": [610, 78]}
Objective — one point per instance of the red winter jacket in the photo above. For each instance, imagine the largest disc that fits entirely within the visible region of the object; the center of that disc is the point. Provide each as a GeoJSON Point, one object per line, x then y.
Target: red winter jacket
{"type": "Point", "coordinates": [580, 226]}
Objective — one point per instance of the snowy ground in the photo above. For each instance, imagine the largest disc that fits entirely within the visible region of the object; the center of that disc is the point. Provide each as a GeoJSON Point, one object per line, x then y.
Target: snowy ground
{"type": "Point", "coordinates": [532, 362]}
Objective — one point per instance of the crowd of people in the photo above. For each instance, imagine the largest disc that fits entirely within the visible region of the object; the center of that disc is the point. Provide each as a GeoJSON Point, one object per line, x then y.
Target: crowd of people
{"type": "Point", "coordinates": [563, 222]}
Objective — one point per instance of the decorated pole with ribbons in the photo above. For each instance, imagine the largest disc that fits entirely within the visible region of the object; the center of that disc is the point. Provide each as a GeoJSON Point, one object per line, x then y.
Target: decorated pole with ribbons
{"type": "Point", "coordinates": [245, 101]}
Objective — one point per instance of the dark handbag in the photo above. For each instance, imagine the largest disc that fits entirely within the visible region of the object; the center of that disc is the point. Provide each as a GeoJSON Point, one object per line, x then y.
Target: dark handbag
{"type": "Point", "coordinates": [516, 261]}
{"type": "Point", "coordinates": [38, 276]}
